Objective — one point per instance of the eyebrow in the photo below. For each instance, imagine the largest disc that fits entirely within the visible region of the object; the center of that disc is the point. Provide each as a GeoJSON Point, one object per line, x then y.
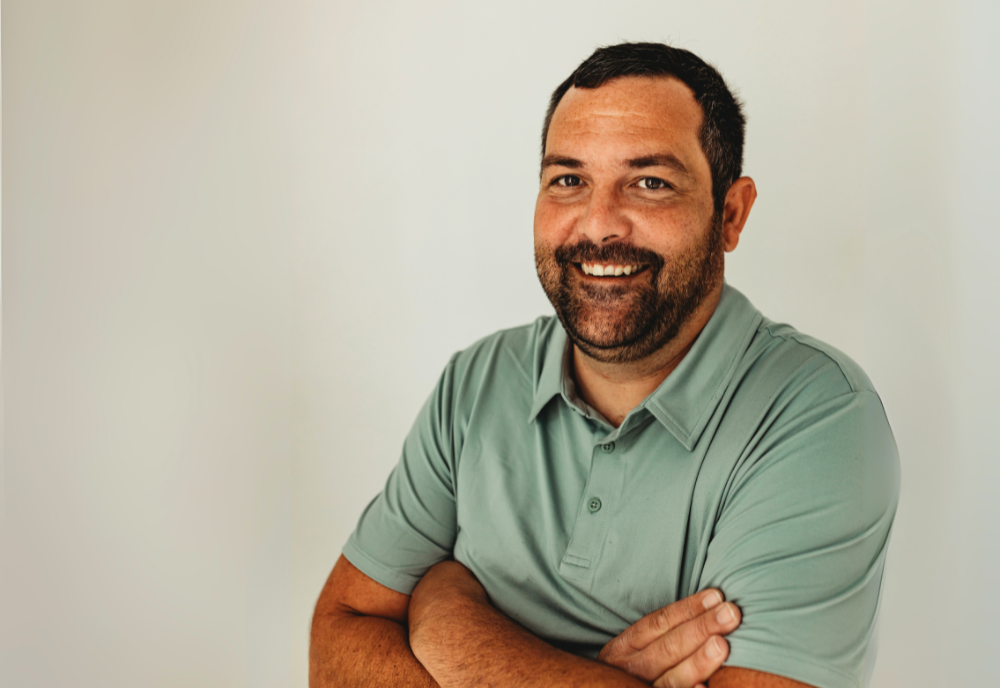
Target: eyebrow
{"type": "Point", "coordinates": [562, 161]}
{"type": "Point", "coordinates": [661, 160]}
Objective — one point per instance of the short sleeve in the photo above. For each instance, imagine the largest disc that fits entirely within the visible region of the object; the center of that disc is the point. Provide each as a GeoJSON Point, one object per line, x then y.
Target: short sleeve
{"type": "Point", "coordinates": [411, 524]}
{"type": "Point", "coordinates": [800, 543]}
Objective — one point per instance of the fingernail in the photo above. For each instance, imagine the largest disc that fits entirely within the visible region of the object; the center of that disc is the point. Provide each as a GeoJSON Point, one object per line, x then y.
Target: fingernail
{"type": "Point", "coordinates": [714, 648]}
{"type": "Point", "coordinates": [725, 615]}
{"type": "Point", "coordinates": [712, 600]}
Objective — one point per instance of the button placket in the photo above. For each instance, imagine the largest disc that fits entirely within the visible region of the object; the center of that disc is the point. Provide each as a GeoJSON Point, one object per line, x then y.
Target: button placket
{"type": "Point", "coordinates": [593, 515]}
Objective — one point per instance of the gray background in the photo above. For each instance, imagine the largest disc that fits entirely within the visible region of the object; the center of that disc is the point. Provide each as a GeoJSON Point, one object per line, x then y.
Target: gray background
{"type": "Point", "coordinates": [241, 239]}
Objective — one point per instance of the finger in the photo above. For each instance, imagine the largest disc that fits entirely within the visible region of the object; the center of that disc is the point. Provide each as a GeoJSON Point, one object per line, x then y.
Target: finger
{"type": "Point", "coordinates": [697, 668]}
{"type": "Point", "coordinates": [675, 646]}
{"type": "Point", "coordinates": [653, 625]}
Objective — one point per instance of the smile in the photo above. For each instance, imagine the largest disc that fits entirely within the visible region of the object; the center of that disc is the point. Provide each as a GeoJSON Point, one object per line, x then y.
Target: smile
{"type": "Point", "coordinates": [608, 270]}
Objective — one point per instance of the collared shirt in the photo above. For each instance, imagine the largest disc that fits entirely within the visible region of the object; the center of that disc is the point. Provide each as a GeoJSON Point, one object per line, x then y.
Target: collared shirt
{"type": "Point", "coordinates": [763, 465]}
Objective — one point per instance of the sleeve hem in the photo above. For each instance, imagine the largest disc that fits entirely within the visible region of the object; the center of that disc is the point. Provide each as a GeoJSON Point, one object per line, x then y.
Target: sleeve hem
{"type": "Point", "coordinates": [378, 572]}
{"type": "Point", "coordinates": [752, 655]}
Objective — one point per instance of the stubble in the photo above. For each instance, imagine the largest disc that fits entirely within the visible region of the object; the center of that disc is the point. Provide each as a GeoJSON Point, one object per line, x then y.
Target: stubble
{"type": "Point", "coordinates": [627, 322]}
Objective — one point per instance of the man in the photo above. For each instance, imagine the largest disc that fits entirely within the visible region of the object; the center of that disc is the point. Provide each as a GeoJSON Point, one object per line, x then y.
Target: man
{"type": "Point", "coordinates": [577, 495]}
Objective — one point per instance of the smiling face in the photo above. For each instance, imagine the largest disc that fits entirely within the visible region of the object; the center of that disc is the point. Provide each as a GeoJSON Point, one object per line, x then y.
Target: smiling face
{"type": "Point", "coordinates": [627, 245]}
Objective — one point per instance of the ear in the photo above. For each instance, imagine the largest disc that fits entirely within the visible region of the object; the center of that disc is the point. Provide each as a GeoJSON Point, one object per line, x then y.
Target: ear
{"type": "Point", "coordinates": [739, 200]}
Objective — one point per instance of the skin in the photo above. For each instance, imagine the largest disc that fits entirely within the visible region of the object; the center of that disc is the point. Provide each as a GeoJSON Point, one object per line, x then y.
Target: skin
{"type": "Point", "coordinates": [624, 172]}
{"type": "Point", "coordinates": [590, 192]}
{"type": "Point", "coordinates": [359, 635]}
{"type": "Point", "coordinates": [448, 634]}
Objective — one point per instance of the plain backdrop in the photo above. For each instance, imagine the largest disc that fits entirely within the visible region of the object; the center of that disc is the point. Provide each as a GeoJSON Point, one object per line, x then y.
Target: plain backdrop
{"type": "Point", "coordinates": [242, 238]}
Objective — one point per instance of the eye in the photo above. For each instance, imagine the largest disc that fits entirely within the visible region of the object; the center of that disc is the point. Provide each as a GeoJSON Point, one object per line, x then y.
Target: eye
{"type": "Point", "coordinates": [567, 180]}
{"type": "Point", "coordinates": [653, 183]}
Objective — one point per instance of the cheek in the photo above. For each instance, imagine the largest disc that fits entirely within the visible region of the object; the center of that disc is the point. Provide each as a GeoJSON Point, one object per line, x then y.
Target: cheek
{"type": "Point", "coordinates": [668, 231]}
{"type": "Point", "coordinates": [554, 222]}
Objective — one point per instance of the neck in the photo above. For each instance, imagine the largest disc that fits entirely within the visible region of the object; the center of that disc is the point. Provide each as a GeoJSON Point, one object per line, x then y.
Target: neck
{"type": "Point", "coordinates": [614, 389]}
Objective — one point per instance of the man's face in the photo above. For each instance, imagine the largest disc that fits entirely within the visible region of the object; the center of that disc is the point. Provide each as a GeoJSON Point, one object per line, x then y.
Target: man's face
{"type": "Point", "coordinates": [626, 188]}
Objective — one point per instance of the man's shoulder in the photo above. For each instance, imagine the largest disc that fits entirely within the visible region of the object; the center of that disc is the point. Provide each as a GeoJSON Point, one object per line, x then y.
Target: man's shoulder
{"type": "Point", "coordinates": [514, 351]}
{"type": "Point", "coordinates": [795, 356]}
{"type": "Point", "coordinates": [806, 422]}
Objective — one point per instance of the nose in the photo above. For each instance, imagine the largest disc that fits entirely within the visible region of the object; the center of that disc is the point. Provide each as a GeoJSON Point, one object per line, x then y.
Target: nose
{"type": "Point", "coordinates": [603, 219]}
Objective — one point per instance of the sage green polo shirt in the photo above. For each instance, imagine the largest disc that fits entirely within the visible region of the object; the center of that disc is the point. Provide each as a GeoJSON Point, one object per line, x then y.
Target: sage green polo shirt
{"type": "Point", "coordinates": [763, 465]}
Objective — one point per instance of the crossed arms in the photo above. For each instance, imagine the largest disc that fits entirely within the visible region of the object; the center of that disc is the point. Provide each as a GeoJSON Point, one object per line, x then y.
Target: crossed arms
{"type": "Point", "coordinates": [800, 542]}
{"type": "Point", "coordinates": [447, 633]}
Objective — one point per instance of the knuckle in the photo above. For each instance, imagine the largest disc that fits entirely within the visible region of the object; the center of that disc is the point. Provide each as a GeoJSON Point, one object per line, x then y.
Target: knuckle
{"type": "Point", "coordinates": [610, 651]}
{"type": "Point", "coordinates": [700, 665]}
{"type": "Point", "coordinates": [661, 620]}
{"type": "Point", "coordinates": [706, 624]}
{"type": "Point", "coordinates": [684, 608]}
{"type": "Point", "coordinates": [702, 661]}
{"type": "Point", "coordinates": [635, 666]}
{"type": "Point", "coordinates": [666, 652]}
{"type": "Point", "coordinates": [695, 604]}
{"type": "Point", "coordinates": [632, 640]}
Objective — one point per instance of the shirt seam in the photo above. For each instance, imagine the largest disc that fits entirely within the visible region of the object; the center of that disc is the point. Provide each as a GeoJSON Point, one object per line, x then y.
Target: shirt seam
{"type": "Point", "coordinates": [832, 359]}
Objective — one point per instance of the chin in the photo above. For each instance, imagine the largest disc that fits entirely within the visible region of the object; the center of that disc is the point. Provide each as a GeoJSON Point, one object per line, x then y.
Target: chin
{"type": "Point", "coordinates": [606, 333]}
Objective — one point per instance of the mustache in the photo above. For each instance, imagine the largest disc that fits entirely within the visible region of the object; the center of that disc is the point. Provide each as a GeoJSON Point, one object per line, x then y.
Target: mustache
{"type": "Point", "coordinates": [587, 251]}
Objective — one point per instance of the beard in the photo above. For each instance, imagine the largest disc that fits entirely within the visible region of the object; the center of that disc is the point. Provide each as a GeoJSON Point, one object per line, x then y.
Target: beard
{"type": "Point", "coordinates": [626, 322]}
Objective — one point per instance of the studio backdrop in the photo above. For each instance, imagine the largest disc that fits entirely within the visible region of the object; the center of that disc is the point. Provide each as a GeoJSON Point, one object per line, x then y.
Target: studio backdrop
{"type": "Point", "coordinates": [241, 239]}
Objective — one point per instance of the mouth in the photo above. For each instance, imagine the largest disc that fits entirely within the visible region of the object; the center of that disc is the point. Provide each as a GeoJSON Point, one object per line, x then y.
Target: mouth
{"type": "Point", "coordinates": [610, 270]}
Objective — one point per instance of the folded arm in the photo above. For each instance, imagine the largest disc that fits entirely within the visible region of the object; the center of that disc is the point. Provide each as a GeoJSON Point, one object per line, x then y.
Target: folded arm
{"type": "Point", "coordinates": [363, 632]}
{"type": "Point", "coordinates": [359, 635]}
{"type": "Point", "coordinates": [463, 640]}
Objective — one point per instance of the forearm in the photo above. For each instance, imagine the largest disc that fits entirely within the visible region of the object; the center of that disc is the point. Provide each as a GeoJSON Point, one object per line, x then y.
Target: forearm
{"type": "Point", "coordinates": [353, 650]}
{"type": "Point", "coordinates": [462, 640]}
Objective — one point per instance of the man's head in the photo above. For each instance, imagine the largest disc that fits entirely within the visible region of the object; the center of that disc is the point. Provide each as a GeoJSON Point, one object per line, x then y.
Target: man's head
{"type": "Point", "coordinates": [642, 152]}
{"type": "Point", "coordinates": [723, 124]}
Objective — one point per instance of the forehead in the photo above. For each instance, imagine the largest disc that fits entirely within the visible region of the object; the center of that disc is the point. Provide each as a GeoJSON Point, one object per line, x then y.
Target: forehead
{"type": "Point", "coordinates": [635, 111]}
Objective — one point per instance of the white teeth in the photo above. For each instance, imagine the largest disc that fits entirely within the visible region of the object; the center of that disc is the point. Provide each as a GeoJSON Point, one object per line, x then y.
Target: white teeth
{"type": "Point", "coordinates": [608, 270]}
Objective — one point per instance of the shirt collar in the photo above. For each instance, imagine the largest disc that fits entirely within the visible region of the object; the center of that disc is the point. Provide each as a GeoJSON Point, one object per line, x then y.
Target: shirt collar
{"type": "Point", "coordinates": [685, 401]}
{"type": "Point", "coordinates": [550, 366]}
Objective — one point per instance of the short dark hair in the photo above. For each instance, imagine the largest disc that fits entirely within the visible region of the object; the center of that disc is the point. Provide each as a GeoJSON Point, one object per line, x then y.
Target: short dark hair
{"type": "Point", "coordinates": [723, 126]}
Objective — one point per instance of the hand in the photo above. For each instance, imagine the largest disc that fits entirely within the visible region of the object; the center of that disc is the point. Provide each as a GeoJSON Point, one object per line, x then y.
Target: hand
{"type": "Point", "coordinates": [678, 646]}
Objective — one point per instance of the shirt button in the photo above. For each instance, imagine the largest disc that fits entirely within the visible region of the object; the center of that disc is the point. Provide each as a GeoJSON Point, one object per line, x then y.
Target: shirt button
{"type": "Point", "coordinates": [594, 505]}
{"type": "Point", "coordinates": [608, 448]}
